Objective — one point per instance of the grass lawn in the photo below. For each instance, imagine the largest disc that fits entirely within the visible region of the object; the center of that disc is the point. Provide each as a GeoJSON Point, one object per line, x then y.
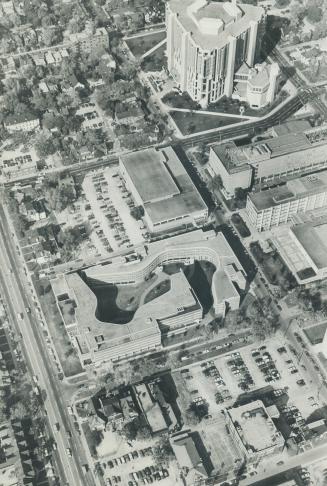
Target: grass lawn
{"type": "Point", "coordinates": [273, 267]}
{"type": "Point", "coordinates": [160, 289]}
{"type": "Point", "coordinates": [155, 61]}
{"type": "Point", "coordinates": [315, 334]}
{"type": "Point", "coordinates": [142, 44]}
{"type": "Point", "coordinates": [189, 123]}
{"type": "Point", "coordinates": [67, 355]}
{"type": "Point", "coordinates": [117, 304]}
{"type": "Point", "coordinates": [228, 105]}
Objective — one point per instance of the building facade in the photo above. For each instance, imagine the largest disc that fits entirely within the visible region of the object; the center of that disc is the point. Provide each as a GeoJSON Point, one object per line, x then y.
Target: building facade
{"type": "Point", "coordinates": [257, 86]}
{"type": "Point", "coordinates": [208, 41]}
{"type": "Point", "coordinates": [23, 123]}
{"type": "Point", "coordinates": [88, 41]}
{"type": "Point", "coordinates": [286, 153]}
{"type": "Point", "coordinates": [276, 206]}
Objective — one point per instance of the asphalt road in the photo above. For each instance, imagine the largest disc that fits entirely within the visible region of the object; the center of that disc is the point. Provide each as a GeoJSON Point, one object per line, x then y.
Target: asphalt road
{"type": "Point", "coordinates": [18, 301]}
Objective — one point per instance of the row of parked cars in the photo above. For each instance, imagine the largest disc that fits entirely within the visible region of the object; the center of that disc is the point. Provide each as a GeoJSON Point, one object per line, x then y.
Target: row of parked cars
{"type": "Point", "coordinates": [128, 457]}
{"type": "Point", "coordinates": [295, 421]}
{"type": "Point", "coordinates": [265, 363]}
{"type": "Point", "coordinates": [148, 475]}
{"type": "Point", "coordinates": [241, 372]}
{"type": "Point", "coordinates": [211, 370]}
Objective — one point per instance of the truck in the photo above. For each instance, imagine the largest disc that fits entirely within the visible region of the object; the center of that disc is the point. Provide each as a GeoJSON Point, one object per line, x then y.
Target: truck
{"type": "Point", "coordinates": [20, 316]}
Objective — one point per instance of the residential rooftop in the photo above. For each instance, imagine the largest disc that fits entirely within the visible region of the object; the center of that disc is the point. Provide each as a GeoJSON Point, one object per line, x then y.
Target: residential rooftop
{"type": "Point", "coordinates": [291, 191]}
{"type": "Point", "coordinates": [212, 23]}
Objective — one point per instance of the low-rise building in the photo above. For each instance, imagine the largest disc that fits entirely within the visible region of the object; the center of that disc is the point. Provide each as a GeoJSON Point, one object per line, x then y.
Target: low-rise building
{"type": "Point", "coordinates": [258, 85]}
{"type": "Point", "coordinates": [169, 198]}
{"type": "Point", "coordinates": [128, 114]}
{"type": "Point", "coordinates": [99, 341]}
{"type": "Point", "coordinates": [192, 456]}
{"type": "Point", "coordinates": [303, 248]}
{"type": "Point", "coordinates": [253, 430]}
{"type": "Point", "coordinates": [11, 472]}
{"type": "Point", "coordinates": [273, 207]}
{"type": "Point", "coordinates": [89, 40]}
{"type": "Point", "coordinates": [150, 409]}
{"type": "Point", "coordinates": [26, 122]}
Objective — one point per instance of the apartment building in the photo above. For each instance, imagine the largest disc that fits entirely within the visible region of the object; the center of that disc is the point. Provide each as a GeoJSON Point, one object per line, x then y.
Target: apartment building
{"type": "Point", "coordinates": [208, 41]}
{"type": "Point", "coordinates": [88, 41]}
{"type": "Point", "coordinates": [275, 206]}
{"type": "Point", "coordinates": [25, 122]}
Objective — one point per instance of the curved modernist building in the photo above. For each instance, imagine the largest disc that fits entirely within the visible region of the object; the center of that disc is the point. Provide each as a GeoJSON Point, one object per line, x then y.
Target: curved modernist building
{"type": "Point", "coordinates": [208, 41]}
{"type": "Point", "coordinates": [101, 341]}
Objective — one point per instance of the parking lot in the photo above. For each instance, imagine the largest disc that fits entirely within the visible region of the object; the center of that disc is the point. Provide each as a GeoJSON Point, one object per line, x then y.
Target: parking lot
{"type": "Point", "coordinates": [220, 380]}
{"type": "Point", "coordinates": [132, 463]}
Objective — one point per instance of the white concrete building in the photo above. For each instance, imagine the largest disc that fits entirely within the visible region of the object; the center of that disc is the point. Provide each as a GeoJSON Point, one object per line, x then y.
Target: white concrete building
{"type": "Point", "coordinates": [275, 206]}
{"type": "Point", "coordinates": [258, 85]}
{"type": "Point", "coordinates": [208, 41]}
{"type": "Point", "coordinates": [24, 123]}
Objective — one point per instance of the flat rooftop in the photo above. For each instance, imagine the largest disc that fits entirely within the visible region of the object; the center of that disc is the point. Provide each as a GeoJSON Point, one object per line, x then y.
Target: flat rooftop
{"type": "Point", "coordinates": [231, 156]}
{"type": "Point", "coordinates": [290, 149]}
{"type": "Point", "coordinates": [196, 15]}
{"type": "Point", "coordinates": [180, 298]}
{"type": "Point", "coordinates": [255, 427]}
{"type": "Point", "coordinates": [294, 126]}
{"type": "Point", "coordinates": [149, 175]}
{"type": "Point", "coordinates": [151, 409]}
{"type": "Point", "coordinates": [313, 239]}
{"type": "Point", "coordinates": [291, 191]}
{"type": "Point", "coordinates": [169, 191]}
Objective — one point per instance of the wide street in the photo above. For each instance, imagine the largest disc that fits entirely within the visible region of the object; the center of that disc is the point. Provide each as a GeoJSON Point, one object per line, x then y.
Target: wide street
{"type": "Point", "coordinates": [19, 303]}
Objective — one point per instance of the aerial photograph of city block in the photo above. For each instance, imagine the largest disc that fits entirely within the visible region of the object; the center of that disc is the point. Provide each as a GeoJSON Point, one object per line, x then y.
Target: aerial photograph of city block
{"type": "Point", "coordinates": [163, 242]}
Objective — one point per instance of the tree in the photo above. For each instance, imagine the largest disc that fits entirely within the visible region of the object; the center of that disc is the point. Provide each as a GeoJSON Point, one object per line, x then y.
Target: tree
{"type": "Point", "coordinates": [51, 37]}
{"type": "Point", "coordinates": [51, 120]}
{"type": "Point", "coordinates": [118, 91]}
{"type": "Point", "coordinates": [45, 144]}
{"type": "Point", "coordinates": [129, 69]}
{"type": "Point", "coordinates": [137, 212]}
{"type": "Point", "coordinates": [313, 13]}
{"type": "Point", "coordinates": [76, 24]}
{"type": "Point", "coordinates": [199, 410]}
{"type": "Point", "coordinates": [136, 428]}
{"type": "Point", "coordinates": [163, 452]}
{"type": "Point", "coordinates": [215, 183]}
